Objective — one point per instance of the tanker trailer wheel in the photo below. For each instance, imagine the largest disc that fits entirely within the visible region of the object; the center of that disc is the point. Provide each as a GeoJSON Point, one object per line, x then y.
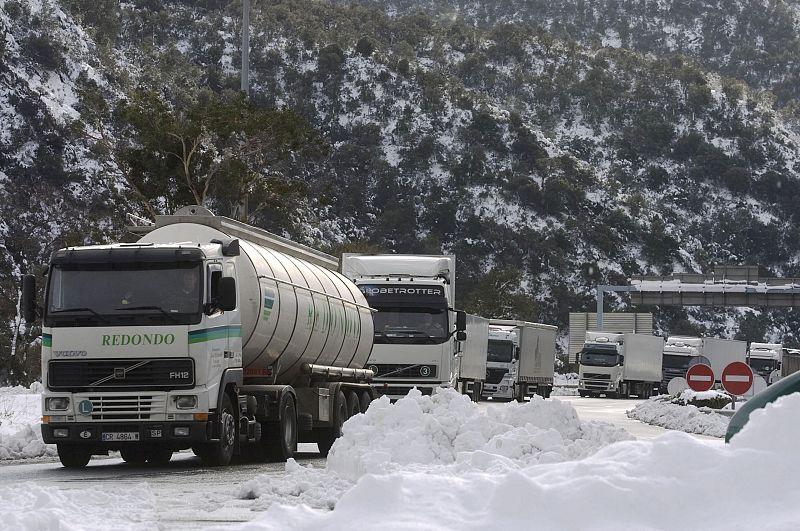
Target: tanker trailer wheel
{"type": "Point", "coordinates": [134, 455]}
{"type": "Point", "coordinates": [326, 436]}
{"type": "Point", "coordinates": [353, 404]}
{"type": "Point", "coordinates": [73, 457]}
{"type": "Point", "coordinates": [280, 439]}
{"type": "Point", "coordinates": [365, 401]}
{"type": "Point", "coordinates": [220, 453]}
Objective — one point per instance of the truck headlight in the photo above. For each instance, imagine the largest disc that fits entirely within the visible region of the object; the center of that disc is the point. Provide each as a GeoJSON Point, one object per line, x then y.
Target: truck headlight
{"type": "Point", "coordinates": [186, 401]}
{"type": "Point", "coordinates": [57, 403]}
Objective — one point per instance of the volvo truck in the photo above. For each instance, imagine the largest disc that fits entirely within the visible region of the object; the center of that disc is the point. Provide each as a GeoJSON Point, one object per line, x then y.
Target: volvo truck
{"type": "Point", "coordinates": [207, 334]}
{"type": "Point", "coordinates": [619, 365]}
{"type": "Point", "coordinates": [418, 332]}
{"type": "Point", "coordinates": [522, 360]}
{"type": "Point", "coordinates": [679, 351]}
{"type": "Point", "coordinates": [765, 360]}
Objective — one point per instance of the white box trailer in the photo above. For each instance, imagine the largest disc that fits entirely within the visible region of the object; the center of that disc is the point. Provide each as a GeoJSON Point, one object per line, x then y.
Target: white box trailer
{"type": "Point", "coordinates": [643, 358]}
{"type": "Point", "coordinates": [472, 358]}
{"type": "Point", "coordinates": [721, 352]}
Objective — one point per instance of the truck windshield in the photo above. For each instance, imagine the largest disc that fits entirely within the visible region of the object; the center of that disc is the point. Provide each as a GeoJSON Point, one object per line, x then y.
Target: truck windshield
{"type": "Point", "coordinates": [500, 351]}
{"type": "Point", "coordinates": [674, 361]}
{"type": "Point", "coordinates": [149, 293]}
{"type": "Point", "coordinates": [595, 358]}
{"type": "Point", "coordinates": [763, 366]}
{"type": "Point", "coordinates": [410, 325]}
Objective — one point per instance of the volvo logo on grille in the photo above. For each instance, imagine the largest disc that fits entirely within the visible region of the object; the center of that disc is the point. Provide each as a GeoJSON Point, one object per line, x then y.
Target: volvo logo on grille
{"type": "Point", "coordinates": [119, 373]}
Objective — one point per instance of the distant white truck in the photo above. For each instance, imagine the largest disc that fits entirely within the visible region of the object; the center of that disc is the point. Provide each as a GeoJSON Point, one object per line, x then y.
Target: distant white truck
{"type": "Point", "coordinates": [678, 354]}
{"type": "Point", "coordinates": [766, 359]}
{"type": "Point", "coordinates": [418, 333]}
{"type": "Point", "coordinates": [721, 352]}
{"type": "Point", "coordinates": [471, 356]}
{"type": "Point", "coordinates": [525, 353]}
{"type": "Point", "coordinates": [620, 365]}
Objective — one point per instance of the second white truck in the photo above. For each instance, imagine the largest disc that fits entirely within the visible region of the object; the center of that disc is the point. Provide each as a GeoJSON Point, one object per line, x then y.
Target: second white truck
{"type": "Point", "coordinates": [417, 330]}
{"type": "Point", "coordinates": [765, 360]}
{"type": "Point", "coordinates": [522, 360]}
{"type": "Point", "coordinates": [620, 365]}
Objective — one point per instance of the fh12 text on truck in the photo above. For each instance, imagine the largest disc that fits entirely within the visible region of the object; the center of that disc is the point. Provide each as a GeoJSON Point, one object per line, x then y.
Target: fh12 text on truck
{"type": "Point", "coordinates": [206, 334]}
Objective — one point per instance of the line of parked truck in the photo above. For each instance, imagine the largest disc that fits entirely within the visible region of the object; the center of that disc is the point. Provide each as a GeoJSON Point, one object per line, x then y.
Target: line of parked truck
{"type": "Point", "coordinates": [214, 335]}
{"type": "Point", "coordinates": [620, 365]}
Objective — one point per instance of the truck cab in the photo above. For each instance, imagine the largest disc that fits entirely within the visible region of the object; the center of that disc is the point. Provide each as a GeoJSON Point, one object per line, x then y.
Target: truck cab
{"type": "Point", "coordinates": [415, 325]}
{"type": "Point", "coordinates": [601, 363]}
{"type": "Point", "coordinates": [678, 353]}
{"type": "Point", "coordinates": [765, 360]}
{"type": "Point", "coordinates": [501, 360]}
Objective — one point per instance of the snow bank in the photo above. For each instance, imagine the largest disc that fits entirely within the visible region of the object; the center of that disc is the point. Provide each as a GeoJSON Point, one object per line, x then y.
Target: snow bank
{"type": "Point", "coordinates": [33, 507]}
{"type": "Point", "coordinates": [443, 434]}
{"type": "Point", "coordinates": [672, 482]}
{"type": "Point", "coordinates": [20, 418]}
{"type": "Point", "coordinates": [660, 412]}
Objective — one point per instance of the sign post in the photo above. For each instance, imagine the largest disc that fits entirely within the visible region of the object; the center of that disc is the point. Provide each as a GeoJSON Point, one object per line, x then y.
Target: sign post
{"type": "Point", "coordinates": [700, 377]}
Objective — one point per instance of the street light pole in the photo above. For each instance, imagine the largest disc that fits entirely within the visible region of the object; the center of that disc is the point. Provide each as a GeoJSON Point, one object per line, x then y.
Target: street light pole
{"type": "Point", "coordinates": [246, 46]}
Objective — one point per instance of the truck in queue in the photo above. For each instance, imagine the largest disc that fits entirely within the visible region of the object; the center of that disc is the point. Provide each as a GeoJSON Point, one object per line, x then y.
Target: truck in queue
{"type": "Point", "coordinates": [620, 365]}
{"type": "Point", "coordinates": [765, 360]}
{"type": "Point", "coordinates": [521, 361]}
{"type": "Point", "coordinates": [208, 334]}
{"type": "Point", "coordinates": [679, 351]}
{"type": "Point", "coordinates": [417, 331]}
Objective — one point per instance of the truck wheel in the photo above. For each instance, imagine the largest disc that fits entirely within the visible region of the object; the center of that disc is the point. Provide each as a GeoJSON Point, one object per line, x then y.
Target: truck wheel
{"type": "Point", "coordinates": [583, 393]}
{"type": "Point", "coordinates": [73, 457]}
{"type": "Point", "coordinates": [133, 456]}
{"type": "Point", "coordinates": [522, 390]}
{"type": "Point", "coordinates": [159, 456]}
{"type": "Point", "coordinates": [365, 400]}
{"type": "Point", "coordinates": [326, 436]}
{"type": "Point", "coordinates": [220, 453]}
{"type": "Point", "coordinates": [353, 404]}
{"type": "Point", "coordinates": [280, 440]}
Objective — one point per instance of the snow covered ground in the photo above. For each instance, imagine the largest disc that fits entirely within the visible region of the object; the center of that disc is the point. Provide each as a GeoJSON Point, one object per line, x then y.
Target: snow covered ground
{"type": "Point", "coordinates": [418, 480]}
{"type": "Point", "coordinates": [20, 417]}
{"type": "Point", "coordinates": [444, 462]}
{"type": "Point", "coordinates": [661, 412]}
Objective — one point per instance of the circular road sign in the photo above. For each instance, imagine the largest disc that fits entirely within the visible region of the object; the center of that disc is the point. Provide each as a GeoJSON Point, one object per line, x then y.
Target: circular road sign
{"type": "Point", "coordinates": [700, 377]}
{"type": "Point", "coordinates": [676, 386]}
{"type": "Point", "coordinates": [737, 378]}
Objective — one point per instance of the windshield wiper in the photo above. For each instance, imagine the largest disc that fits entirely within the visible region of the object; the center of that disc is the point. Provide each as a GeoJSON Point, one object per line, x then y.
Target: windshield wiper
{"type": "Point", "coordinates": [159, 308]}
{"type": "Point", "coordinates": [66, 310]}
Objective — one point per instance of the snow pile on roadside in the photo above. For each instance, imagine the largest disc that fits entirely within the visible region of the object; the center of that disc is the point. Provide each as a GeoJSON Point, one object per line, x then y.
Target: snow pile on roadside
{"type": "Point", "coordinates": [687, 395]}
{"type": "Point", "coordinates": [443, 434]}
{"type": "Point", "coordinates": [630, 484]}
{"type": "Point", "coordinates": [447, 428]}
{"type": "Point", "coordinates": [33, 507]}
{"type": "Point", "coordinates": [20, 418]}
{"type": "Point", "coordinates": [660, 412]}
{"type": "Point", "coordinates": [564, 391]}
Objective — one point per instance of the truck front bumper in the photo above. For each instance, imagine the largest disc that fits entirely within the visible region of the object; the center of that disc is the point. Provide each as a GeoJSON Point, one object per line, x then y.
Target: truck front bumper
{"type": "Point", "coordinates": [171, 434]}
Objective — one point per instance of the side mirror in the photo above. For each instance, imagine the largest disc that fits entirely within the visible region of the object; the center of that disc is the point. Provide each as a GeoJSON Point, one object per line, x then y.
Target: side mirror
{"type": "Point", "coordinates": [29, 298]}
{"type": "Point", "coordinates": [578, 358]}
{"type": "Point", "coordinates": [461, 320]}
{"type": "Point", "coordinates": [516, 353]}
{"type": "Point", "coordinates": [461, 335]}
{"type": "Point", "coordinates": [226, 294]}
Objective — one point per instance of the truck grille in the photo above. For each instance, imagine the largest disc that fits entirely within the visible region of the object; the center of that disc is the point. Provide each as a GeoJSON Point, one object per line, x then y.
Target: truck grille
{"type": "Point", "coordinates": [128, 374]}
{"type": "Point", "coordinates": [390, 370]}
{"type": "Point", "coordinates": [593, 376]}
{"type": "Point", "coordinates": [494, 376]}
{"type": "Point", "coordinates": [133, 407]}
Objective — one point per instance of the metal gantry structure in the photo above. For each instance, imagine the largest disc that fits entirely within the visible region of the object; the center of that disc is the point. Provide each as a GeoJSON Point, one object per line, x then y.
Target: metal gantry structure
{"type": "Point", "coordinates": [725, 286]}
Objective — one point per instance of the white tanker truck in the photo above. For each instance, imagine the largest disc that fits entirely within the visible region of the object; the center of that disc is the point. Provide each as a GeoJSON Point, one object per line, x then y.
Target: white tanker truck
{"type": "Point", "coordinates": [207, 334]}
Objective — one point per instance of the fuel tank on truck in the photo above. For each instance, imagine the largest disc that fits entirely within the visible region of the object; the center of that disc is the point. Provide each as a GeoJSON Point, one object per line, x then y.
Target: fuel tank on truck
{"type": "Point", "coordinates": [294, 307]}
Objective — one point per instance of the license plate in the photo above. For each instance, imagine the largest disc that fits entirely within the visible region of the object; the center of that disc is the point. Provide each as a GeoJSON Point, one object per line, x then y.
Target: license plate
{"type": "Point", "coordinates": [121, 436]}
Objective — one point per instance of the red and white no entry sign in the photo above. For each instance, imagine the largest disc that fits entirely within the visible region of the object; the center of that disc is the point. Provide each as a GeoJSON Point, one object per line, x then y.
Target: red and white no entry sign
{"type": "Point", "coordinates": [700, 377]}
{"type": "Point", "coordinates": [737, 378]}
